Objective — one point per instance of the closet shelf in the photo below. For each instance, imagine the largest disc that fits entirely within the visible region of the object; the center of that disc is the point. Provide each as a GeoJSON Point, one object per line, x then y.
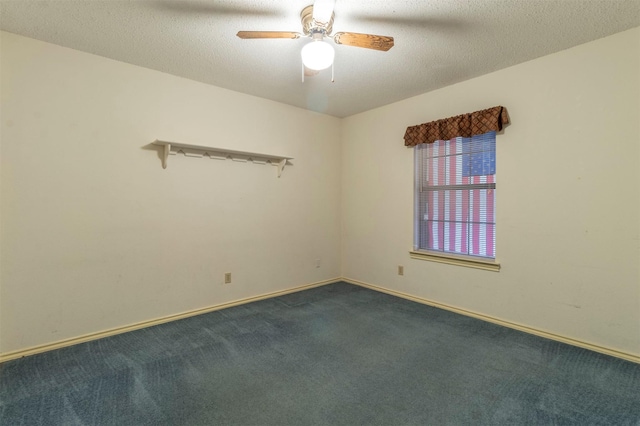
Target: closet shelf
{"type": "Point", "coordinates": [172, 148]}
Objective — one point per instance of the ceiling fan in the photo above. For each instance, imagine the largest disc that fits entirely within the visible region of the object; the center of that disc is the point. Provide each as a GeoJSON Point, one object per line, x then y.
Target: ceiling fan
{"type": "Point", "coordinates": [317, 24]}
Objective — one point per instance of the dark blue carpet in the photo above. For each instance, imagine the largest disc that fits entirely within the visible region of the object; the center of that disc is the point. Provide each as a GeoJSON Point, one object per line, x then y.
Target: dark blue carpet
{"type": "Point", "coordinates": [338, 354]}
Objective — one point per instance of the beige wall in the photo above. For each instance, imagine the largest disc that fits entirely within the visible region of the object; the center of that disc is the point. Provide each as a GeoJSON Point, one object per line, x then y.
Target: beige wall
{"type": "Point", "coordinates": [568, 195]}
{"type": "Point", "coordinates": [95, 234]}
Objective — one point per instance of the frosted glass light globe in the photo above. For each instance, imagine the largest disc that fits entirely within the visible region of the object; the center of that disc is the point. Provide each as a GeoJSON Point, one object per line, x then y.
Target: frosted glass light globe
{"type": "Point", "coordinates": [317, 55]}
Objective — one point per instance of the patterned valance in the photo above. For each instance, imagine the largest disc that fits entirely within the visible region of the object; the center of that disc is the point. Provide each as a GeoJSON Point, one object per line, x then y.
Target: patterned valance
{"type": "Point", "coordinates": [465, 125]}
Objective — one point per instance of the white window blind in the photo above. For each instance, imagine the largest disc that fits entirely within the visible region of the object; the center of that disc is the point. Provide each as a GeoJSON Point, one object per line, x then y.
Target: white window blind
{"type": "Point", "coordinates": [456, 195]}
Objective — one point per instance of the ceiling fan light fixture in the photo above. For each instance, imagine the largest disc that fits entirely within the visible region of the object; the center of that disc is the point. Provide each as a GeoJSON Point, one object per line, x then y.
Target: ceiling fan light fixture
{"type": "Point", "coordinates": [317, 55]}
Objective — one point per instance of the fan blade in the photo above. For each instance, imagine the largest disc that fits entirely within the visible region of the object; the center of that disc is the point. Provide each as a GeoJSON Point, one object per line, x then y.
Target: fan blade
{"type": "Point", "coordinates": [368, 41]}
{"type": "Point", "coordinates": [322, 10]}
{"type": "Point", "coordinates": [267, 34]}
{"type": "Point", "coordinates": [203, 7]}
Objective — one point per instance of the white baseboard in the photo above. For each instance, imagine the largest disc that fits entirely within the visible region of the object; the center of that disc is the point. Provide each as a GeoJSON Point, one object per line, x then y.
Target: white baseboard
{"type": "Point", "coordinates": [519, 327]}
{"type": "Point", "coordinates": [118, 330]}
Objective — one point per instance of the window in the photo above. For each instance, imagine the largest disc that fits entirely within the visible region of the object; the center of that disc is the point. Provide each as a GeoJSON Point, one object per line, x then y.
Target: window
{"type": "Point", "coordinates": [456, 195]}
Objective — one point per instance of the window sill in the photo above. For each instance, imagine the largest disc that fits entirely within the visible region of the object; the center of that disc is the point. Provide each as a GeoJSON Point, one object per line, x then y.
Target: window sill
{"type": "Point", "coordinates": [469, 262]}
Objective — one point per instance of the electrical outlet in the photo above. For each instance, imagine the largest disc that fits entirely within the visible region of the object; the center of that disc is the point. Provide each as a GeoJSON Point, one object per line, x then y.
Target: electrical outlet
{"type": "Point", "coordinates": [318, 263]}
{"type": "Point", "coordinates": [400, 270]}
{"type": "Point", "coordinates": [227, 278]}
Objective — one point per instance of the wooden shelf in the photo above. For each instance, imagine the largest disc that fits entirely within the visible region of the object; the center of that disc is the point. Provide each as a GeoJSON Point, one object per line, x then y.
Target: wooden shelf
{"type": "Point", "coordinates": [172, 148]}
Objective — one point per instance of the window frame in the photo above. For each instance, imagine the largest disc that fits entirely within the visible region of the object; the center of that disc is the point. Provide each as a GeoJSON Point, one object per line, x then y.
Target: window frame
{"type": "Point", "coordinates": [458, 259]}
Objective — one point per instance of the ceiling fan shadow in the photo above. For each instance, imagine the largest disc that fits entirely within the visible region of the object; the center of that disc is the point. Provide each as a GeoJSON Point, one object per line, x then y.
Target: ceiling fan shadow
{"type": "Point", "coordinates": [200, 7]}
{"type": "Point", "coordinates": [431, 23]}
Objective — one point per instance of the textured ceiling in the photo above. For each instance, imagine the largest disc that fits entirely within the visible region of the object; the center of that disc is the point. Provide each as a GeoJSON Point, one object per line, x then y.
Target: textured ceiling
{"type": "Point", "coordinates": [437, 42]}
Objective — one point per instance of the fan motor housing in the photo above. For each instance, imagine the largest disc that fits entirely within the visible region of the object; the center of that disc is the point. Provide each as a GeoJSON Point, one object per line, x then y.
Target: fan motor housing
{"type": "Point", "coordinates": [309, 25]}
